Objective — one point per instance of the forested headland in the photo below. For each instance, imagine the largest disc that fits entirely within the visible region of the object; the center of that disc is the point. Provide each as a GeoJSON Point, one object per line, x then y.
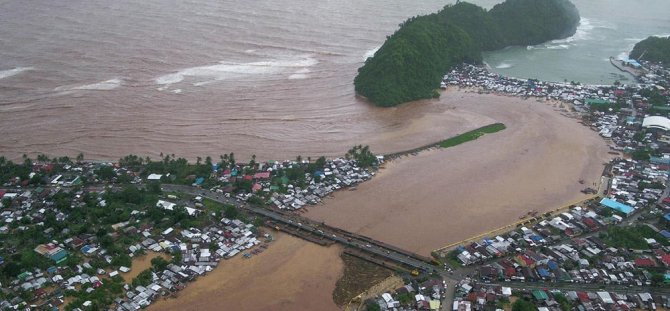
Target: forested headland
{"type": "Point", "coordinates": [412, 61]}
{"type": "Point", "coordinates": [653, 49]}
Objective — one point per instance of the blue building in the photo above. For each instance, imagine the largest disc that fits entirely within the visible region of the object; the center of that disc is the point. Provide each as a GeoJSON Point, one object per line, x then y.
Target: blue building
{"type": "Point", "coordinates": [626, 209]}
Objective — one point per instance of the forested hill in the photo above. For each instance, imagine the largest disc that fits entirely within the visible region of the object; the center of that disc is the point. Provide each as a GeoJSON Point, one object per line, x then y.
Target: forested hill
{"type": "Point", "coordinates": [411, 62]}
{"type": "Point", "coordinates": [655, 49]}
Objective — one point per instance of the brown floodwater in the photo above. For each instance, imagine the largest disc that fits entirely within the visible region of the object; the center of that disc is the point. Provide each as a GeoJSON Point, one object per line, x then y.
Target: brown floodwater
{"type": "Point", "coordinates": [438, 197]}
{"type": "Point", "coordinates": [194, 78]}
{"type": "Point", "coordinates": [291, 274]}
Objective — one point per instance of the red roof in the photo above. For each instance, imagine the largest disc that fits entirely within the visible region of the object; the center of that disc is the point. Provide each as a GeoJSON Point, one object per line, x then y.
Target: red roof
{"type": "Point", "coordinates": [583, 297]}
{"type": "Point", "coordinates": [526, 260]}
{"type": "Point", "coordinates": [645, 262]}
{"type": "Point", "coordinates": [590, 222]}
{"type": "Point", "coordinates": [256, 187]}
{"type": "Point", "coordinates": [666, 259]}
{"type": "Point", "coordinates": [510, 271]}
{"type": "Point", "coordinates": [2, 193]}
{"type": "Point", "coordinates": [262, 175]}
{"type": "Point", "coordinates": [248, 177]}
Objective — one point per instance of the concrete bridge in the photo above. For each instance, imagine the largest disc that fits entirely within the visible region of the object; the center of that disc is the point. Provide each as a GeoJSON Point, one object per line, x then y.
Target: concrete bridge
{"type": "Point", "coordinates": [372, 248]}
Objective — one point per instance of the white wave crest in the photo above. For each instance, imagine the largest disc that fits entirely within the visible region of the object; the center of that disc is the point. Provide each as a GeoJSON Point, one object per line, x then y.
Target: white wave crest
{"type": "Point", "coordinates": [583, 32]}
{"type": "Point", "coordinates": [558, 47]}
{"type": "Point", "coordinates": [13, 72]}
{"type": "Point", "coordinates": [370, 53]}
{"type": "Point", "coordinates": [300, 74]}
{"type": "Point", "coordinates": [100, 86]}
{"type": "Point", "coordinates": [226, 70]}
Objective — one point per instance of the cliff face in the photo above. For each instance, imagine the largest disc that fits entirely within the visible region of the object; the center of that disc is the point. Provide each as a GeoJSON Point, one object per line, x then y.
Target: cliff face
{"type": "Point", "coordinates": [411, 62]}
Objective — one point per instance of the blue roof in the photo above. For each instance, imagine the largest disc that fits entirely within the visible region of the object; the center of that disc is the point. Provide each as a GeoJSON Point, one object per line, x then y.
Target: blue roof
{"type": "Point", "coordinates": [59, 256]}
{"type": "Point", "coordinates": [536, 238]}
{"type": "Point", "coordinates": [199, 180]}
{"type": "Point", "coordinates": [667, 217]}
{"type": "Point", "coordinates": [552, 265]}
{"type": "Point", "coordinates": [543, 272]}
{"type": "Point", "coordinates": [659, 160]}
{"type": "Point", "coordinates": [617, 206]}
{"type": "Point", "coordinates": [665, 233]}
{"type": "Point", "coordinates": [85, 249]}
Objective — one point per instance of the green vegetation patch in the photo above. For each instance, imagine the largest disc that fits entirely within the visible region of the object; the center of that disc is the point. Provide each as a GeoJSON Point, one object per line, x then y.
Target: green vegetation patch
{"type": "Point", "coordinates": [632, 237]}
{"type": "Point", "coordinates": [472, 135]}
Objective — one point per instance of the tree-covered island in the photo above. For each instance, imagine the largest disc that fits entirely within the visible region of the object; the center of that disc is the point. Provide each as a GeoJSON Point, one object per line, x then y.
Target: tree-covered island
{"type": "Point", "coordinates": [410, 64]}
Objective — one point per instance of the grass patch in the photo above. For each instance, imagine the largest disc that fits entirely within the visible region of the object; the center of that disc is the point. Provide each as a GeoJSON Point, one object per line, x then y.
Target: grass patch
{"type": "Point", "coordinates": [472, 135]}
{"type": "Point", "coordinates": [358, 276]}
{"type": "Point", "coordinates": [632, 237]}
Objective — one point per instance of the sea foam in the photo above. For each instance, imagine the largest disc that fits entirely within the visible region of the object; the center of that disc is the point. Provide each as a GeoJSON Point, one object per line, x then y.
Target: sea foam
{"type": "Point", "coordinates": [504, 65]}
{"type": "Point", "coordinates": [227, 70]}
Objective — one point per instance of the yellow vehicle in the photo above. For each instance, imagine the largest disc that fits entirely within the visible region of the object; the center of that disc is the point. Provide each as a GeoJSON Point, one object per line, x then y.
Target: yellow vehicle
{"type": "Point", "coordinates": [415, 272]}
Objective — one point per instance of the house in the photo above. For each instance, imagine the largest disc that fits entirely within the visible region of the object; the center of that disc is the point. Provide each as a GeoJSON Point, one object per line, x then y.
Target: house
{"type": "Point", "coordinates": [645, 262]}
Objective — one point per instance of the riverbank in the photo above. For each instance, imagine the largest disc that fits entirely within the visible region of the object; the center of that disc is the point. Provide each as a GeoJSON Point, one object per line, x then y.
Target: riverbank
{"type": "Point", "coordinates": [440, 196]}
{"type": "Point", "coordinates": [291, 274]}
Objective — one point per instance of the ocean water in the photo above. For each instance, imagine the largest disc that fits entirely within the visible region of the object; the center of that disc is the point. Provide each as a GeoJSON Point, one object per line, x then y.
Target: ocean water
{"type": "Point", "coordinates": [272, 78]}
{"type": "Point", "coordinates": [607, 28]}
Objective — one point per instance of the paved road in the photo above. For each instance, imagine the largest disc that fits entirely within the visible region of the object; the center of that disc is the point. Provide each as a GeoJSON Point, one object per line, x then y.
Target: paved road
{"type": "Point", "coordinates": [619, 289]}
{"type": "Point", "coordinates": [348, 239]}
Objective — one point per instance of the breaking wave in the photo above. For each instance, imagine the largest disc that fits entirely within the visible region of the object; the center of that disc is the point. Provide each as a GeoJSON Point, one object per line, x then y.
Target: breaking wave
{"type": "Point", "coordinates": [583, 33]}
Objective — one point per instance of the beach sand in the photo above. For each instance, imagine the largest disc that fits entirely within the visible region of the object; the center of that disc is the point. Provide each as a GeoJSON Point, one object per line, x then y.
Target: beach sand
{"type": "Point", "coordinates": [291, 274]}
{"type": "Point", "coordinates": [424, 202]}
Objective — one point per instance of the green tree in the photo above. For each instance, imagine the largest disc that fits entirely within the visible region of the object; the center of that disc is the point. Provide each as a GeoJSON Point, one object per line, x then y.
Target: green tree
{"type": "Point", "coordinates": [230, 211]}
{"type": "Point", "coordinates": [159, 264]}
{"type": "Point", "coordinates": [523, 305]}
